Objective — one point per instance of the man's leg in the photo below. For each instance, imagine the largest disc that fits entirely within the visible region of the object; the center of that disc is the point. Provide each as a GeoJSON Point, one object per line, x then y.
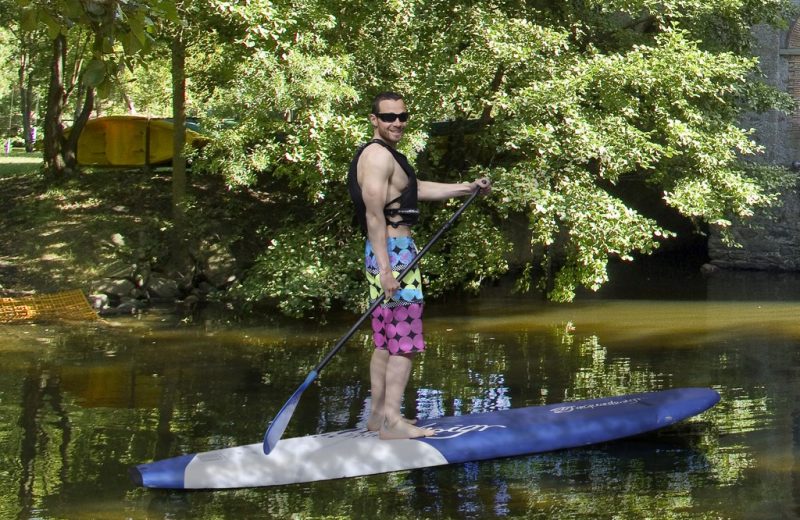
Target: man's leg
{"type": "Point", "coordinates": [398, 370]}
{"type": "Point", "coordinates": [377, 374]}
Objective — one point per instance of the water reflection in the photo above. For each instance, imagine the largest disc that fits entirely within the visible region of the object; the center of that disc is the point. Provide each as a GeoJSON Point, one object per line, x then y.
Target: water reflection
{"type": "Point", "coordinates": [81, 404]}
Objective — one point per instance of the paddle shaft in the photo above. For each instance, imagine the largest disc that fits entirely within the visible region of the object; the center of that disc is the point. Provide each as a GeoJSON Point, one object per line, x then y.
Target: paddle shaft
{"type": "Point", "coordinates": [404, 272]}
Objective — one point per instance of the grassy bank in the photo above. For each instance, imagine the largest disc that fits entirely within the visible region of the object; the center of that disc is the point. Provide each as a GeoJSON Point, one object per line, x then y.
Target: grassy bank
{"type": "Point", "coordinates": [62, 237]}
{"type": "Point", "coordinates": [106, 221]}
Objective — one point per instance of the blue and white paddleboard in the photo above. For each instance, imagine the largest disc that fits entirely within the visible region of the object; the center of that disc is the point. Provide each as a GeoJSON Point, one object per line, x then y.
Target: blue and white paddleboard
{"type": "Point", "coordinates": [464, 438]}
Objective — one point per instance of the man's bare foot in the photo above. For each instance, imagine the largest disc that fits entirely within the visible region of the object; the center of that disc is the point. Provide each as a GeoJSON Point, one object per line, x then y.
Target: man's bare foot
{"type": "Point", "coordinates": [403, 430]}
{"type": "Point", "coordinates": [375, 422]}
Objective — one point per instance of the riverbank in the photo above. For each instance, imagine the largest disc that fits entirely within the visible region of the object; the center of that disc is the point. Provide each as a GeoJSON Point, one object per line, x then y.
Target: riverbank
{"type": "Point", "coordinates": [106, 232]}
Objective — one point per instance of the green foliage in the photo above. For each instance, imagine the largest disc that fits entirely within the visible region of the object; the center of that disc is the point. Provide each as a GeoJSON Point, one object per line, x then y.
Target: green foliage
{"type": "Point", "coordinates": [565, 100]}
{"type": "Point", "coordinates": [472, 252]}
{"type": "Point", "coordinates": [7, 69]}
{"type": "Point", "coordinates": [119, 31]}
{"type": "Point", "coordinates": [303, 268]}
{"type": "Point", "coordinates": [149, 88]}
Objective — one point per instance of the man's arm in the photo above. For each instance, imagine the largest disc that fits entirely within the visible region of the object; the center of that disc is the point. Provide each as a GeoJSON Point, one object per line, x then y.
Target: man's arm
{"type": "Point", "coordinates": [377, 166]}
{"type": "Point", "coordinates": [427, 190]}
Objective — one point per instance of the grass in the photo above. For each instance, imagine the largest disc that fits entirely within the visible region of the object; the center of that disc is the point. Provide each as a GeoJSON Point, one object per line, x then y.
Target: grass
{"type": "Point", "coordinates": [19, 163]}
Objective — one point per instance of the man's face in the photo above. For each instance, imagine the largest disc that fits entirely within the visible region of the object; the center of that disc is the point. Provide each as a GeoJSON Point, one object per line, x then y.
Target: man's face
{"type": "Point", "coordinates": [391, 132]}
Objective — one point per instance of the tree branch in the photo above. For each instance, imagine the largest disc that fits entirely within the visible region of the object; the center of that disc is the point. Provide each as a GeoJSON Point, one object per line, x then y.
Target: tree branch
{"type": "Point", "coordinates": [497, 81]}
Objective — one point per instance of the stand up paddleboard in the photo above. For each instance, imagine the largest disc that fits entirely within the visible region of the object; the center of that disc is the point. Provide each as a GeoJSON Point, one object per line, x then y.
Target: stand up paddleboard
{"type": "Point", "coordinates": [465, 438]}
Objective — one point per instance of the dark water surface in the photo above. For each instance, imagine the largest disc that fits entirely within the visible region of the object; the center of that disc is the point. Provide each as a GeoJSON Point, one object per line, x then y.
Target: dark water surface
{"type": "Point", "coordinates": [81, 404]}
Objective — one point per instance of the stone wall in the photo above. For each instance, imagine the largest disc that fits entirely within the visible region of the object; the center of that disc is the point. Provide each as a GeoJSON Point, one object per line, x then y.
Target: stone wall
{"type": "Point", "coordinates": [772, 241]}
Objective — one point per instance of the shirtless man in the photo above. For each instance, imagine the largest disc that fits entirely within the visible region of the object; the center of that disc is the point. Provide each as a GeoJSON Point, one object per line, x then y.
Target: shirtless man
{"type": "Point", "coordinates": [385, 191]}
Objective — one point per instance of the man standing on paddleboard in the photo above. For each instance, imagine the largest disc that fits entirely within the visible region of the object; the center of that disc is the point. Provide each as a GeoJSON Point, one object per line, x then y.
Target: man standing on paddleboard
{"type": "Point", "coordinates": [385, 191]}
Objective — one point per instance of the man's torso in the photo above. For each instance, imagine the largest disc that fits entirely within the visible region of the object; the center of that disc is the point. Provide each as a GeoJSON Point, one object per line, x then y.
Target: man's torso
{"type": "Point", "coordinates": [398, 181]}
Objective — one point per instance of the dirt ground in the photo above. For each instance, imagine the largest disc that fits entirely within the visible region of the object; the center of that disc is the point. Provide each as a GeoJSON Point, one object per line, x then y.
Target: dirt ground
{"type": "Point", "coordinates": [58, 237]}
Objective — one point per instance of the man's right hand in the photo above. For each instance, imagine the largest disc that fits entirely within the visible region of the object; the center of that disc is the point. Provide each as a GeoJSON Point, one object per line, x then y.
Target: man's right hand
{"type": "Point", "coordinates": [389, 283]}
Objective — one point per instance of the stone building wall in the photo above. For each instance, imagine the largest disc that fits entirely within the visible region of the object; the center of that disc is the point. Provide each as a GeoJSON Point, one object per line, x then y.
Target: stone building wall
{"type": "Point", "coordinates": [771, 242]}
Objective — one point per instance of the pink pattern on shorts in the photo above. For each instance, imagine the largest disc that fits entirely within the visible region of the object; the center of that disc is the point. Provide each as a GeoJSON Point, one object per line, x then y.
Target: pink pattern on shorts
{"type": "Point", "coordinates": [398, 329]}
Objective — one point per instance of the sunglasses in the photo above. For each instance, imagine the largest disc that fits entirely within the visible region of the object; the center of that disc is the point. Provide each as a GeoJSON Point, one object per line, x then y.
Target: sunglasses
{"type": "Point", "coordinates": [391, 117]}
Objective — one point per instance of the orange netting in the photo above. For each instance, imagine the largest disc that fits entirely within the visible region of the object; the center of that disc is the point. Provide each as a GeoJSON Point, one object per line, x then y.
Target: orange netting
{"type": "Point", "coordinates": [66, 305]}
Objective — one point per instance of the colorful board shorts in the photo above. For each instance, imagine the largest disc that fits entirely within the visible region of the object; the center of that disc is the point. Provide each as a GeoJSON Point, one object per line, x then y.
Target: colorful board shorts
{"type": "Point", "coordinates": [397, 323]}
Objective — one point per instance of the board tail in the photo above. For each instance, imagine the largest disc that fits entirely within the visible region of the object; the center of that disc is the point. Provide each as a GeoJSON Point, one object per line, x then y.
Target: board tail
{"type": "Point", "coordinates": [161, 474]}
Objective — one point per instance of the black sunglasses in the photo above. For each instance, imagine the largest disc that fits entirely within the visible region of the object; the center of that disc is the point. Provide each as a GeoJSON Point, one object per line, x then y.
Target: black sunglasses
{"type": "Point", "coordinates": [390, 117]}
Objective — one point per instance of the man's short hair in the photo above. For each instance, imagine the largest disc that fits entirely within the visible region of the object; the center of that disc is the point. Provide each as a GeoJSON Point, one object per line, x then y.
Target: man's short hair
{"type": "Point", "coordinates": [384, 96]}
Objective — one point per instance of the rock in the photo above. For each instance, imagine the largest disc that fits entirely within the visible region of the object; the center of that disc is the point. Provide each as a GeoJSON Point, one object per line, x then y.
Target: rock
{"type": "Point", "coordinates": [708, 269]}
{"type": "Point", "coordinates": [220, 267]}
{"type": "Point", "coordinates": [183, 272]}
{"type": "Point", "coordinates": [118, 269]}
{"type": "Point", "coordinates": [140, 293]}
{"type": "Point", "coordinates": [185, 281]}
{"type": "Point", "coordinates": [99, 302]}
{"type": "Point", "coordinates": [203, 288]}
{"type": "Point", "coordinates": [163, 288]}
{"type": "Point", "coordinates": [129, 306]}
{"type": "Point", "coordinates": [114, 287]}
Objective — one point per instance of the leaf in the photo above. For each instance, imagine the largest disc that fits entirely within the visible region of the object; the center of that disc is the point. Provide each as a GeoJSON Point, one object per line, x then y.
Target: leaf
{"type": "Point", "coordinates": [108, 45]}
{"type": "Point", "coordinates": [54, 28]}
{"type": "Point", "coordinates": [95, 73]}
{"type": "Point", "coordinates": [104, 89]}
{"type": "Point", "coordinates": [137, 29]}
{"type": "Point", "coordinates": [130, 43]}
{"type": "Point", "coordinates": [74, 9]}
{"type": "Point", "coordinates": [29, 20]}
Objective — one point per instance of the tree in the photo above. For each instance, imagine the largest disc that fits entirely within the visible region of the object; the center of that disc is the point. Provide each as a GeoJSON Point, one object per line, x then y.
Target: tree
{"type": "Point", "coordinates": [26, 46]}
{"type": "Point", "coordinates": [557, 102]}
{"type": "Point", "coordinates": [27, 80]}
{"type": "Point", "coordinates": [7, 52]}
{"type": "Point", "coordinates": [178, 32]}
{"type": "Point", "coordinates": [189, 22]}
{"type": "Point", "coordinates": [109, 34]}
{"type": "Point", "coordinates": [179, 122]}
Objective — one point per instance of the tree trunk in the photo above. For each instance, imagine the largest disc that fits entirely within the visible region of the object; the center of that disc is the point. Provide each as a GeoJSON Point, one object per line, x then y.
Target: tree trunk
{"type": "Point", "coordinates": [25, 86]}
{"type": "Point", "coordinates": [70, 149]}
{"type": "Point", "coordinates": [61, 153]}
{"type": "Point", "coordinates": [179, 129]}
{"type": "Point", "coordinates": [129, 104]}
{"type": "Point", "coordinates": [179, 257]}
{"type": "Point", "coordinates": [53, 127]}
{"type": "Point", "coordinates": [28, 115]}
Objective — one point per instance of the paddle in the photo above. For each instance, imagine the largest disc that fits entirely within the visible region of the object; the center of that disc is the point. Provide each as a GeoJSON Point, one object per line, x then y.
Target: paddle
{"type": "Point", "coordinates": [279, 423]}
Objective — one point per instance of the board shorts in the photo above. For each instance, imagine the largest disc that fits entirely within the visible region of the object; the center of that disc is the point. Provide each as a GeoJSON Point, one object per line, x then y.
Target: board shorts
{"type": "Point", "coordinates": [397, 322]}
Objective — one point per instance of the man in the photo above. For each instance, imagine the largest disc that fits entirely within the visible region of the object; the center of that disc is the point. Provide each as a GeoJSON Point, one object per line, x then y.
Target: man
{"type": "Point", "coordinates": [385, 191]}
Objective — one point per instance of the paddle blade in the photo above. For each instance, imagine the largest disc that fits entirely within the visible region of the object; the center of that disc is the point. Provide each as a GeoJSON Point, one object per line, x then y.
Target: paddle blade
{"type": "Point", "coordinates": [279, 423]}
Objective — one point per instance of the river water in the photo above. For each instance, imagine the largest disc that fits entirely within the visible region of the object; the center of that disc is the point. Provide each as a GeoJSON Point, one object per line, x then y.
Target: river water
{"type": "Point", "coordinates": [80, 404]}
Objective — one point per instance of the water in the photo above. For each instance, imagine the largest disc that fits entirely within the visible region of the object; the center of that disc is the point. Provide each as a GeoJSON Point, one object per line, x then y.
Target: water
{"type": "Point", "coordinates": [81, 404]}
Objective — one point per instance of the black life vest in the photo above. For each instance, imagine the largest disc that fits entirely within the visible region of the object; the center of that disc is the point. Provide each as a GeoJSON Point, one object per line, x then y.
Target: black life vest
{"type": "Point", "coordinates": [404, 205]}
